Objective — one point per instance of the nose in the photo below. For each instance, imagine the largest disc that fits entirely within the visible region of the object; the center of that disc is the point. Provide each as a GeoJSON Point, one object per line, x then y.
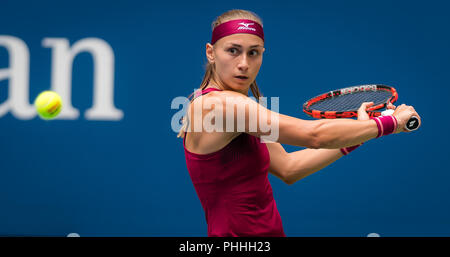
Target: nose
{"type": "Point", "coordinates": [243, 63]}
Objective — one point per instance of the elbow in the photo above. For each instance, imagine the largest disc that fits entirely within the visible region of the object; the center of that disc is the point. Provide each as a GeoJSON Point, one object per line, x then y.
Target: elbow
{"type": "Point", "coordinates": [315, 143]}
{"type": "Point", "coordinates": [289, 181]}
{"type": "Point", "coordinates": [292, 178]}
{"type": "Point", "coordinates": [316, 140]}
{"type": "Point", "coordinates": [288, 177]}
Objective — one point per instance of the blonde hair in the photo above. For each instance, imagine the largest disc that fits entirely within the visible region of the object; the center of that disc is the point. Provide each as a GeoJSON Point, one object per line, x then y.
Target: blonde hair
{"type": "Point", "coordinates": [210, 67]}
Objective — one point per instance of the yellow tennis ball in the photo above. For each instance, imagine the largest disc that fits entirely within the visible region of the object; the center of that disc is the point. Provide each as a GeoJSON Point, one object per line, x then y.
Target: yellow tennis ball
{"type": "Point", "coordinates": [48, 105]}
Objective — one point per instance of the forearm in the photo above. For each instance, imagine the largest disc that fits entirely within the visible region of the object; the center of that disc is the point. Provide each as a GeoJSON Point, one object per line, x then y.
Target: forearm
{"type": "Point", "coordinates": [340, 133]}
{"type": "Point", "coordinates": [326, 133]}
{"type": "Point", "coordinates": [308, 161]}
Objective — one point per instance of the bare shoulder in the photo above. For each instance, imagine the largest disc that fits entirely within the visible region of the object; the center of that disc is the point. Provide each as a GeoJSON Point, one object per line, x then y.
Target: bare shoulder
{"type": "Point", "coordinates": [217, 101]}
{"type": "Point", "coordinates": [199, 139]}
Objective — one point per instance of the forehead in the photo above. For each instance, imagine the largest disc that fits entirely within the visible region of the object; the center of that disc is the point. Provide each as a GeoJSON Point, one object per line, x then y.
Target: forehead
{"type": "Point", "coordinates": [243, 39]}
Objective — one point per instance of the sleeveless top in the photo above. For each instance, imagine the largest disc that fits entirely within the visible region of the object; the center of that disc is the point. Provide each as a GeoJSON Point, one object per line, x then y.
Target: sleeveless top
{"type": "Point", "coordinates": [234, 190]}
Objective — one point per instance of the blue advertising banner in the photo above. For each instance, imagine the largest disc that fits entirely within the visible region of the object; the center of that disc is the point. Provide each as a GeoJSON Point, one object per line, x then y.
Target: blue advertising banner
{"type": "Point", "coordinates": [111, 163]}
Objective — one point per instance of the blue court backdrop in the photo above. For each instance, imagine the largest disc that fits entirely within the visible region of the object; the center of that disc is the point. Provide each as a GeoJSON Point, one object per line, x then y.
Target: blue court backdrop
{"type": "Point", "coordinates": [122, 172]}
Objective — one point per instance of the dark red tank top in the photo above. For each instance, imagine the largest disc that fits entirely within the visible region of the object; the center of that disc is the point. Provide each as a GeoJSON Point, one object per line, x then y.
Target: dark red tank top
{"type": "Point", "coordinates": [234, 190]}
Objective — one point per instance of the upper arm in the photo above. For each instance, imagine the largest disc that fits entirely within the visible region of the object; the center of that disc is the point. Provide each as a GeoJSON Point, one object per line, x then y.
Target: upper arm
{"type": "Point", "coordinates": [235, 112]}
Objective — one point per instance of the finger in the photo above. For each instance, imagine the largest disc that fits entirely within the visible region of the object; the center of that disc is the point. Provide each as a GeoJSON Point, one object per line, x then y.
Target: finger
{"type": "Point", "coordinates": [390, 106]}
{"type": "Point", "coordinates": [365, 105]}
{"type": "Point", "coordinates": [401, 107]}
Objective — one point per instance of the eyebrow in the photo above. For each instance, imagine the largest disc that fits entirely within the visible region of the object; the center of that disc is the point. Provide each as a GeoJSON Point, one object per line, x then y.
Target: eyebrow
{"type": "Point", "coordinates": [237, 45]}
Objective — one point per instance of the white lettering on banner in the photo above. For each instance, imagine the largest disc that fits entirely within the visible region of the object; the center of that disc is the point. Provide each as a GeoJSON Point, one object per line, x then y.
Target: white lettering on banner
{"type": "Point", "coordinates": [18, 75]}
{"type": "Point", "coordinates": [62, 60]}
{"type": "Point", "coordinates": [103, 56]}
{"type": "Point", "coordinates": [177, 117]}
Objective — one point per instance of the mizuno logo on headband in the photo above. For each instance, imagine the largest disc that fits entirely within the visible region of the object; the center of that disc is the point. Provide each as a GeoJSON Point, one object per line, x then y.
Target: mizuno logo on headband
{"type": "Point", "coordinates": [245, 26]}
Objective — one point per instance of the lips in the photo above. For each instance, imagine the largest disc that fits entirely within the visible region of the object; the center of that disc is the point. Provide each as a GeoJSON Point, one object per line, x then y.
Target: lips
{"type": "Point", "coordinates": [242, 77]}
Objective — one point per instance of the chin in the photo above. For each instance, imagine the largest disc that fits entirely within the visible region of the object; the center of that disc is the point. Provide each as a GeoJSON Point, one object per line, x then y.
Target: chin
{"type": "Point", "coordinates": [241, 87]}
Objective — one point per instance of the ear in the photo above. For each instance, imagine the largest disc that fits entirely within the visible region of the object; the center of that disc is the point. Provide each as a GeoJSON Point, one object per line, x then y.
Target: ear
{"type": "Point", "coordinates": [209, 53]}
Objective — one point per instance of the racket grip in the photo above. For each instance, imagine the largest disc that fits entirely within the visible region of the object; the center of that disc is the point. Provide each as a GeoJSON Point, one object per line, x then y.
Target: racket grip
{"type": "Point", "coordinates": [411, 125]}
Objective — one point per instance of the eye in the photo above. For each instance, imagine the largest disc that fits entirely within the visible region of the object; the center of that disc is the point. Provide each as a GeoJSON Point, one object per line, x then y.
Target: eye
{"type": "Point", "coordinates": [233, 50]}
{"type": "Point", "coordinates": [253, 53]}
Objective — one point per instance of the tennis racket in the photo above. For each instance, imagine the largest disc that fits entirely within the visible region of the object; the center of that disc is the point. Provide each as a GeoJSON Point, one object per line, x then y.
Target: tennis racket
{"type": "Point", "coordinates": [345, 102]}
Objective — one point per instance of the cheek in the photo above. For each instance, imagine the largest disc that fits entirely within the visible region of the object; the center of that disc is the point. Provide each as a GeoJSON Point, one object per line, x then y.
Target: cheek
{"type": "Point", "coordinates": [256, 67]}
{"type": "Point", "coordinates": [258, 63]}
{"type": "Point", "coordinates": [225, 68]}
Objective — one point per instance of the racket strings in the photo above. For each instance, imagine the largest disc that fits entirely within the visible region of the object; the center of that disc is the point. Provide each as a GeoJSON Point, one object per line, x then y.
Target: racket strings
{"type": "Point", "coordinates": [351, 102]}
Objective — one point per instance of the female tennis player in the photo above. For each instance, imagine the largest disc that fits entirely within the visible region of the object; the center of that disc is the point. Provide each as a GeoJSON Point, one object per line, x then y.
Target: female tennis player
{"type": "Point", "coordinates": [229, 167]}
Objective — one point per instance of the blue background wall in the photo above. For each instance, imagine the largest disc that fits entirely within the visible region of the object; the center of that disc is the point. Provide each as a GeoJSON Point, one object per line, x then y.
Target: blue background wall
{"type": "Point", "coordinates": [128, 177]}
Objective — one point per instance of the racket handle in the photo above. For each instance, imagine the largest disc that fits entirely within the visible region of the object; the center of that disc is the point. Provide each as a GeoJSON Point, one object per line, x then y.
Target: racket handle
{"type": "Point", "coordinates": [411, 125]}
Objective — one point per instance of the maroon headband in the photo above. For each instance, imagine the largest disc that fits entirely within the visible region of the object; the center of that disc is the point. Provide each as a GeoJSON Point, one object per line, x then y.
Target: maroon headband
{"type": "Point", "coordinates": [237, 26]}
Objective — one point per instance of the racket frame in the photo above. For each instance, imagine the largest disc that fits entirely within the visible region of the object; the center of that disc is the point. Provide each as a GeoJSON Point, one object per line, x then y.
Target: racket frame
{"type": "Point", "coordinates": [371, 111]}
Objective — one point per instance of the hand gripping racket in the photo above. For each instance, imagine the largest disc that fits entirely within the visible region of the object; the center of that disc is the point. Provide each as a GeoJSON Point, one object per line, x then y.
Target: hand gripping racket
{"type": "Point", "coordinates": [345, 102]}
